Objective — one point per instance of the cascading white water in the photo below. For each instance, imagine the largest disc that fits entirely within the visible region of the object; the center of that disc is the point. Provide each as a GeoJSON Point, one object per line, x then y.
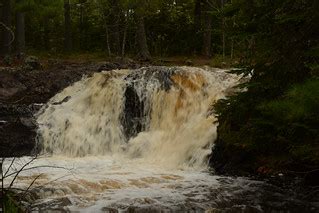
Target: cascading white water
{"type": "Point", "coordinates": [177, 131]}
{"type": "Point", "coordinates": [131, 139]}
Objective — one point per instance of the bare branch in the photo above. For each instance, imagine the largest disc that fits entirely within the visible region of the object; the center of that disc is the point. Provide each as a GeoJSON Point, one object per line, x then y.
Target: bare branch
{"type": "Point", "coordinates": [53, 181]}
{"type": "Point", "coordinates": [31, 184]}
{"type": "Point", "coordinates": [36, 167]}
{"type": "Point", "coordinates": [20, 170]}
{"type": "Point", "coordinates": [2, 183]}
{"type": "Point", "coordinates": [8, 169]}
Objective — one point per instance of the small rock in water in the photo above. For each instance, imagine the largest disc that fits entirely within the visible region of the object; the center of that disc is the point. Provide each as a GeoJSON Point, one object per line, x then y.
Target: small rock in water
{"type": "Point", "coordinates": [109, 210]}
{"type": "Point", "coordinates": [107, 66]}
{"type": "Point", "coordinates": [7, 60]}
{"type": "Point", "coordinates": [32, 63]}
{"type": "Point", "coordinates": [312, 178]}
{"type": "Point", "coordinates": [66, 99]}
{"type": "Point", "coordinates": [53, 62]}
{"type": "Point", "coordinates": [3, 122]}
{"type": "Point", "coordinates": [28, 122]}
{"type": "Point", "coordinates": [189, 62]}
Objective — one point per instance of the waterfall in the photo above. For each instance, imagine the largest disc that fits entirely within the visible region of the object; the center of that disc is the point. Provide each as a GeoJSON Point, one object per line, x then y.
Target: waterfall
{"type": "Point", "coordinates": [157, 115]}
{"type": "Point", "coordinates": [136, 141]}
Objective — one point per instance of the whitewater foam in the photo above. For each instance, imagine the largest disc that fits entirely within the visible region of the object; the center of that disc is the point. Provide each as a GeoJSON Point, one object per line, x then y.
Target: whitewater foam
{"type": "Point", "coordinates": [177, 128]}
{"type": "Point", "coordinates": [130, 138]}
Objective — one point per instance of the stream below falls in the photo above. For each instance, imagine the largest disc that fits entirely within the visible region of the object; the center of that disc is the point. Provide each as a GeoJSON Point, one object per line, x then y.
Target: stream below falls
{"type": "Point", "coordinates": [139, 141]}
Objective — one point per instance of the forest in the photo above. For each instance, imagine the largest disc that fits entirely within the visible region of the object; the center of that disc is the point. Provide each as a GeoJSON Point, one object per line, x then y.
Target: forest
{"type": "Point", "coordinates": [119, 28]}
{"type": "Point", "coordinates": [268, 126]}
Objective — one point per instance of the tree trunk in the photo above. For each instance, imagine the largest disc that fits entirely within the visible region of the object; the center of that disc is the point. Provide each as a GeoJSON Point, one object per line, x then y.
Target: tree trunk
{"type": "Point", "coordinates": [207, 35]}
{"type": "Point", "coordinates": [143, 52]}
{"type": "Point", "coordinates": [115, 20]}
{"type": "Point", "coordinates": [20, 32]}
{"type": "Point", "coordinates": [125, 33]}
{"type": "Point", "coordinates": [107, 40]}
{"type": "Point", "coordinates": [197, 24]}
{"type": "Point", "coordinates": [81, 18]}
{"type": "Point", "coordinates": [223, 30]}
{"type": "Point", "coordinates": [232, 39]}
{"type": "Point", "coordinates": [116, 36]}
{"type": "Point", "coordinates": [197, 14]}
{"type": "Point", "coordinates": [124, 42]}
{"type": "Point", "coordinates": [232, 49]}
{"type": "Point", "coordinates": [6, 30]}
{"type": "Point", "coordinates": [67, 25]}
{"type": "Point", "coordinates": [46, 34]}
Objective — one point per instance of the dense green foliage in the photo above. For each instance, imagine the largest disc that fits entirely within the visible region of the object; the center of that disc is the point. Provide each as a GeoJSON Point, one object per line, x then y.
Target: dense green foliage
{"type": "Point", "coordinates": [276, 117]}
{"type": "Point", "coordinates": [10, 206]}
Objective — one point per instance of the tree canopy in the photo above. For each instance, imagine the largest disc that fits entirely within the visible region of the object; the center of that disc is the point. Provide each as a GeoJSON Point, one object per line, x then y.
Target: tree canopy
{"type": "Point", "coordinates": [115, 27]}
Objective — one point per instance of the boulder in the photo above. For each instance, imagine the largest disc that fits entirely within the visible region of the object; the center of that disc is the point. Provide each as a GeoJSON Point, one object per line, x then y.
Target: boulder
{"type": "Point", "coordinates": [312, 178]}
{"type": "Point", "coordinates": [32, 63]}
{"type": "Point", "coordinates": [9, 85]}
{"type": "Point", "coordinates": [189, 62]}
{"type": "Point", "coordinates": [108, 66]}
{"type": "Point", "coordinates": [17, 130]}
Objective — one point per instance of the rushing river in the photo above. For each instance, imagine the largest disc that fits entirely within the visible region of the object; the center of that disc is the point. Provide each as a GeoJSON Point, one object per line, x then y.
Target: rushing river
{"type": "Point", "coordinates": [138, 140]}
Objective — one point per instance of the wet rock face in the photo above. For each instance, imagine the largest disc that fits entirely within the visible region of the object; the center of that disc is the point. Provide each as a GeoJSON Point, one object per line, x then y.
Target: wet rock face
{"type": "Point", "coordinates": [158, 73]}
{"type": "Point", "coordinates": [132, 120]}
{"type": "Point", "coordinates": [17, 130]}
{"type": "Point", "coordinates": [312, 178]}
{"type": "Point", "coordinates": [231, 160]}
{"type": "Point", "coordinates": [135, 110]}
{"type": "Point", "coordinates": [107, 66]}
{"type": "Point", "coordinates": [17, 139]}
{"type": "Point", "coordinates": [9, 85]}
{"type": "Point", "coordinates": [118, 64]}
